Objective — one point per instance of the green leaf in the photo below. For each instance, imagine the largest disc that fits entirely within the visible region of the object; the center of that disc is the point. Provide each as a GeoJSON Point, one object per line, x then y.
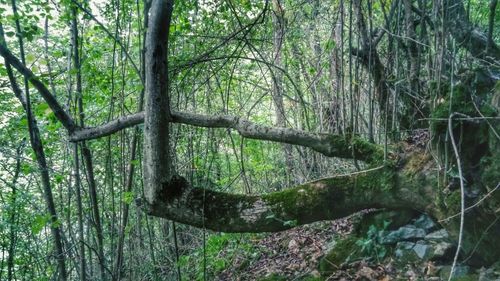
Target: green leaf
{"type": "Point", "coordinates": [58, 178]}
{"type": "Point", "coordinates": [271, 216]}
{"type": "Point", "coordinates": [330, 44]}
{"type": "Point", "coordinates": [291, 223]}
{"type": "Point", "coordinates": [26, 169]}
{"type": "Point", "coordinates": [128, 197]}
{"type": "Point", "coordinates": [39, 223]}
{"type": "Point", "coordinates": [30, 58]}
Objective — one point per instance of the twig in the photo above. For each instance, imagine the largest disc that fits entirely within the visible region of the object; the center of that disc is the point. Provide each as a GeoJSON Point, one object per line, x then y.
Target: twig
{"type": "Point", "coordinates": [473, 206]}
{"type": "Point", "coordinates": [462, 193]}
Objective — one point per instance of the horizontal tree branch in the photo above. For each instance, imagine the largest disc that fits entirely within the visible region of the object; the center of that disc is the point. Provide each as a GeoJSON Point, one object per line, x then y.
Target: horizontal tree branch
{"type": "Point", "coordinates": [325, 199]}
{"type": "Point", "coordinates": [50, 99]}
{"type": "Point", "coordinates": [107, 129]}
{"type": "Point", "coordinates": [326, 144]}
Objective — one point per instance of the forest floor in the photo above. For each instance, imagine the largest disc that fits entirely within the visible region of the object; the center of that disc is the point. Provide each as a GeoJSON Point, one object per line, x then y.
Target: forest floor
{"type": "Point", "coordinates": [295, 254]}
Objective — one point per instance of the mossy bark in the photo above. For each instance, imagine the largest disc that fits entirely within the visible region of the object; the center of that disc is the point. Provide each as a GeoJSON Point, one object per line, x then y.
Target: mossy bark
{"type": "Point", "coordinates": [412, 181]}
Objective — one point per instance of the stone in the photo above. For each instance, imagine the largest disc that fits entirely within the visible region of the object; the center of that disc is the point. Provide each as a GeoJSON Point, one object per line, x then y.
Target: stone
{"type": "Point", "coordinates": [421, 249]}
{"type": "Point", "coordinates": [385, 220]}
{"type": "Point", "coordinates": [441, 250]}
{"type": "Point", "coordinates": [488, 274]}
{"type": "Point", "coordinates": [441, 234]}
{"type": "Point", "coordinates": [460, 271]}
{"type": "Point", "coordinates": [404, 233]}
{"type": "Point", "coordinates": [340, 252]}
{"type": "Point", "coordinates": [425, 222]}
{"type": "Point", "coordinates": [404, 252]}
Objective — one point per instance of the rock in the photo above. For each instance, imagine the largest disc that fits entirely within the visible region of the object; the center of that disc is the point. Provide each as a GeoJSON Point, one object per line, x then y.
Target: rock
{"type": "Point", "coordinates": [441, 234]}
{"type": "Point", "coordinates": [441, 250]}
{"type": "Point", "coordinates": [425, 222]}
{"type": "Point", "coordinates": [384, 220]}
{"type": "Point", "coordinates": [340, 252]}
{"type": "Point", "coordinates": [461, 271]}
{"type": "Point", "coordinates": [404, 233]}
{"type": "Point", "coordinates": [404, 252]}
{"type": "Point", "coordinates": [421, 249]}
{"type": "Point", "coordinates": [488, 274]}
{"type": "Point", "coordinates": [368, 273]}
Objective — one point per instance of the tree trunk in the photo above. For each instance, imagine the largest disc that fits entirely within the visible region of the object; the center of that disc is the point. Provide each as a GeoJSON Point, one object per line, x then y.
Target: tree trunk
{"type": "Point", "coordinates": [87, 157]}
{"type": "Point", "coordinates": [277, 94]}
{"type": "Point", "coordinates": [37, 146]}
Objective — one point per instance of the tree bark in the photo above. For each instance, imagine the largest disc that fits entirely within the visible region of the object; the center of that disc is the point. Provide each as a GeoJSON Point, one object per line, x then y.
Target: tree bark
{"type": "Point", "coordinates": [277, 94]}
{"type": "Point", "coordinates": [87, 156]}
{"type": "Point", "coordinates": [12, 215]}
{"type": "Point", "coordinates": [157, 159]}
{"type": "Point", "coordinates": [466, 34]}
{"type": "Point", "coordinates": [81, 237]}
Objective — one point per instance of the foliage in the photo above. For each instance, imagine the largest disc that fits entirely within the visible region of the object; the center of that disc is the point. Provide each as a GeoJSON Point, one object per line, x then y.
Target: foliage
{"type": "Point", "coordinates": [219, 252]}
{"type": "Point", "coordinates": [371, 246]}
{"type": "Point", "coordinates": [222, 60]}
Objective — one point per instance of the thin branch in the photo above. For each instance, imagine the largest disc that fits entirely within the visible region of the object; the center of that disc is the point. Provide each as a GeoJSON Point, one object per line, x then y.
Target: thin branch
{"type": "Point", "coordinates": [472, 206]}
{"type": "Point", "coordinates": [328, 145]}
{"type": "Point", "coordinates": [59, 112]}
{"type": "Point", "coordinates": [462, 193]}
{"type": "Point", "coordinates": [117, 40]}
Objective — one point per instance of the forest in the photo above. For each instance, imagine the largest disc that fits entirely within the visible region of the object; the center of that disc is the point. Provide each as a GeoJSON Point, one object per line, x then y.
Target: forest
{"type": "Point", "coordinates": [249, 140]}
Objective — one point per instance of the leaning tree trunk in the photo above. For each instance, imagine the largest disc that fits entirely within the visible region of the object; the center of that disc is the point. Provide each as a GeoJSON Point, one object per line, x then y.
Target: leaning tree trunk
{"type": "Point", "coordinates": [410, 179]}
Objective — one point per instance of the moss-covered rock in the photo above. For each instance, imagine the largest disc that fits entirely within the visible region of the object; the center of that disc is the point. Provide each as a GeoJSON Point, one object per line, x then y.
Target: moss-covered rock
{"type": "Point", "coordinates": [341, 251]}
{"type": "Point", "coordinates": [461, 272]}
{"type": "Point", "coordinates": [388, 220]}
{"type": "Point", "coordinates": [472, 97]}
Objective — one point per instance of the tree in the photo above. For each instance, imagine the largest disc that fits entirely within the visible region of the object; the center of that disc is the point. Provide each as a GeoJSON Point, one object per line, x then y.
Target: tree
{"type": "Point", "coordinates": [397, 176]}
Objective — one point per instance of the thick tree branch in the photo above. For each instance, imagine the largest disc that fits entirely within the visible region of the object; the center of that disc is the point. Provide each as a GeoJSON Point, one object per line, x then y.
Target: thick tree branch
{"type": "Point", "coordinates": [328, 145]}
{"type": "Point", "coordinates": [468, 36]}
{"type": "Point", "coordinates": [324, 199]}
{"type": "Point", "coordinates": [59, 112]}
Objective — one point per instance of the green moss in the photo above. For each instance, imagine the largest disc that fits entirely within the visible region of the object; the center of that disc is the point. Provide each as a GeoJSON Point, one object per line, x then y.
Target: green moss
{"type": "Point", "coordinates": [474, 85]}
{"type": "Point", "coordinates": [491, 171]}
{"type": "Point", "coordinates": [294, 205]}
{"type": "Point", "coordinates": [387, 220]}
{"type": "Point", "coordinates": [343, 250]}
{"type": "Point", "coordinates": [387, 179]}
{"type": "Point", "coordinates": [354, 146]}
{"type": "Point", "coordinates": [452, 202]}
{"type": "Point", "coordinates": [472, 97]}
{"type": "Point", "coordinates": [415, 163]}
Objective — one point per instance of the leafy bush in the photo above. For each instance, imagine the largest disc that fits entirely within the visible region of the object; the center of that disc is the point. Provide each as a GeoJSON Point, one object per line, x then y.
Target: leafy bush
{"type": "Point", "coordinates": [371, 245]}
{"type": "Point", "coordinates": [219, 253]}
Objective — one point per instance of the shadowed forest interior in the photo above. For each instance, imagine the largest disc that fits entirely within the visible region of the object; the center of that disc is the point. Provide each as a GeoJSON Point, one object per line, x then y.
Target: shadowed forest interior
{"type": "Point", "coordinates": [249, 140]}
